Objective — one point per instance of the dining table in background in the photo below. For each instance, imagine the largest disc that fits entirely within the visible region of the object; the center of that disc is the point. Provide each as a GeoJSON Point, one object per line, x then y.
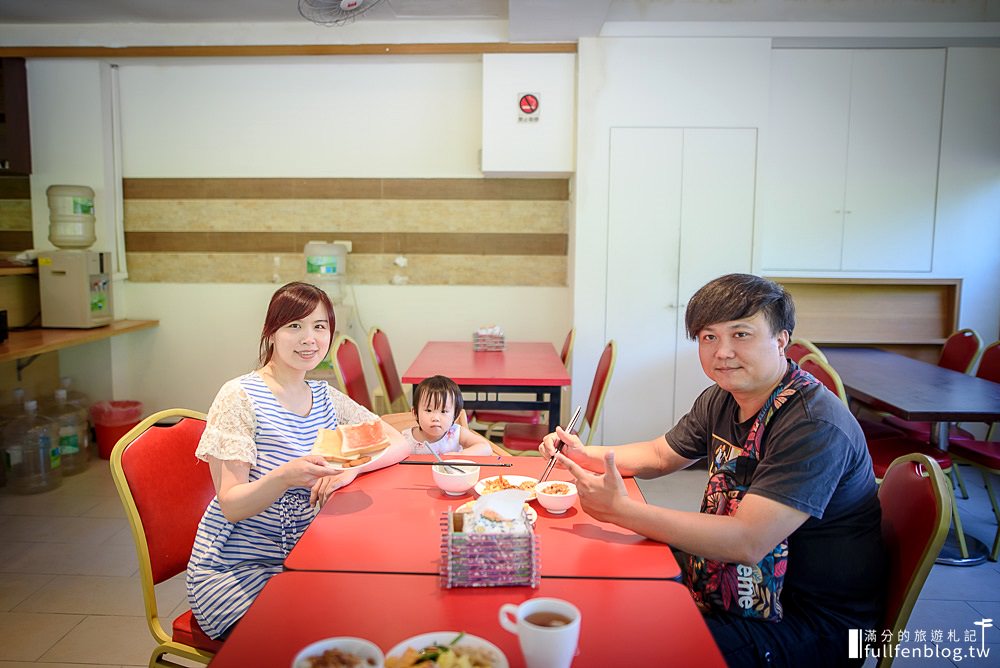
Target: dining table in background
{"type": "Point", "coordinates": [922, 392]}
{"type": "Point", "coordinates": [521, 368]}
{"type": "Point", "coordinates": [389, 521]}
{"type": "Point", "coordinates": [622, 622]}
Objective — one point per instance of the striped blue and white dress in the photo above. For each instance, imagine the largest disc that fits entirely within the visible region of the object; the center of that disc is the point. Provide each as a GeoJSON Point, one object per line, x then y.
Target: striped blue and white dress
{"type": "Point", "coordinates": [230, 563]}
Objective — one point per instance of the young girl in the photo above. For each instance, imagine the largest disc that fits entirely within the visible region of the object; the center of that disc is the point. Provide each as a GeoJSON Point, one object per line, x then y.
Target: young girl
{"type": "Point", "coordinates": [437, 401]}
{"type": "Point", "coordinates": [260, 431]}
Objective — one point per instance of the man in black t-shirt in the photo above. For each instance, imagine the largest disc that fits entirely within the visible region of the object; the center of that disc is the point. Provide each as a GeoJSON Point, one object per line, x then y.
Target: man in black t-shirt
{"type": "Point", "coordinates": [812, 483]}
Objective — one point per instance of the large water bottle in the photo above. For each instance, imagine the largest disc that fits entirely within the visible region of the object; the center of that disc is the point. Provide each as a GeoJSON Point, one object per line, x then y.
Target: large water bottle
{"type": "Point", "coordinates": [81, 402]}
{"type": "Point", "coordinates": [73, 433]}
{"type": "Point", "coordinates": [8, 411]}
{"type": "Point", "coordinates": [31, 452]}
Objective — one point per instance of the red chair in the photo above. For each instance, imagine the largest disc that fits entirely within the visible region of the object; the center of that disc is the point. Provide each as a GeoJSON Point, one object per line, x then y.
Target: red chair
{"type": "Point", "coordinates": [388, 376]}
{"type": "Point", "coordinates": [985, 456]}
{"type": "Point", "coordinates": [496, 419]}
{"type": "Point", "coordinates": [884, 451]}
{"type": "Point", "coordinates": [915, 513]}
{"type": "Point", "coordinates": [165, 490]}
{"type": "Point", "coordinates": [349, 370]}
{"type": "Point", "coordinates": [989, 369]}
{"type": "Point", "coordinates": [523, 439]}
{"type": "Point", "coordinates": [799, 348]}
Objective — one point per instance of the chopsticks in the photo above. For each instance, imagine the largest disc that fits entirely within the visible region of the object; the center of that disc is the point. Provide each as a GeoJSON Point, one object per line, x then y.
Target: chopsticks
{"type": "Point", "coordinates": [450, 464]}
{"type": "Point", "coordinates": [571, 429]}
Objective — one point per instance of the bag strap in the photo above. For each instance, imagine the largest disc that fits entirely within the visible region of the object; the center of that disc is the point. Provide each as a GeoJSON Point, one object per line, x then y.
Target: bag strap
{"type": "Point", "coordinates": [795, 381]}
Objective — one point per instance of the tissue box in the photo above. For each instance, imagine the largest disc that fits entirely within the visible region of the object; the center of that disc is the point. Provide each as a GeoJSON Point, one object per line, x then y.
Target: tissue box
{"type": "Point", "coordinates": [488, 338]}
{"type": "Point", "coordinates": [476, 559]}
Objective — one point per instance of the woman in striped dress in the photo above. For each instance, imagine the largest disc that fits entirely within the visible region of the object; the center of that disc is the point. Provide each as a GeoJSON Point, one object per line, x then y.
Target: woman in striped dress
{"type": "Point", "coordinates": [260, 430]}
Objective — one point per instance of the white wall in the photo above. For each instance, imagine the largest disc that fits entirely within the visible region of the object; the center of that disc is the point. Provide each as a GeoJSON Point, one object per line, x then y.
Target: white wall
{"type": "Point", "coordinates": [649, 82]}
{"type": "Point", "coordinates": [347, 116]}
{"type": "Point", "coordinates": [413, 117]}
{"type": "Point", "coordinates": [967, 230]}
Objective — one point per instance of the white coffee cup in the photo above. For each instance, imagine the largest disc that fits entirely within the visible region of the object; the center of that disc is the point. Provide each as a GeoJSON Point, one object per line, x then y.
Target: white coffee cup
{"type": "Point", "coordinates": [544, 645]}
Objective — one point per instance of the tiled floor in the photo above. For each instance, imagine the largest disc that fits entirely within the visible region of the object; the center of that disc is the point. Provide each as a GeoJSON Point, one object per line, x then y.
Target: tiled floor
{"type": "Point", "coordinates": [70, 596]}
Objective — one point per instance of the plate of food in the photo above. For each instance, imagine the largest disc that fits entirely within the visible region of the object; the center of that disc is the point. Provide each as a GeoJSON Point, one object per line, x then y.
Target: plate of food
{"type": "Point", "coordinates": [351, 445]}
{"type": "Point", "coordinates": [467, 508]}
{"type": "Point", "coordinates": [340, 652]}
{"type": "Point", "coordinates": [501, 482]}
{"type": "Point", "coordinates": [445, 648]}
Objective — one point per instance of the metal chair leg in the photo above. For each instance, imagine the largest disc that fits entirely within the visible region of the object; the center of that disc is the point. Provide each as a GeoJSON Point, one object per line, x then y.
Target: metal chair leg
{"type": "Point", "coordinates": [995, 552]}
{"type": "Point", "coordinates": [957, 519]}
{"type": "Point", "coordinates": [957, 478]}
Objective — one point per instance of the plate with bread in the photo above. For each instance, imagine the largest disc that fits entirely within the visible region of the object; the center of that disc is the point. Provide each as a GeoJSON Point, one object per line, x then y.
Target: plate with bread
{"type": "Point", "coordinates": [351, 445]}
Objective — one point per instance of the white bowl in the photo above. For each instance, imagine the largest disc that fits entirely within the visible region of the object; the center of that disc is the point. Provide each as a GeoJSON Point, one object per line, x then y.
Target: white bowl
{"type": "Point", "coordinates": [453, 482]}
{"type": "Point", "coordinates": [552, 502]}
{"type": "Point", "coordinates": [368, 651]}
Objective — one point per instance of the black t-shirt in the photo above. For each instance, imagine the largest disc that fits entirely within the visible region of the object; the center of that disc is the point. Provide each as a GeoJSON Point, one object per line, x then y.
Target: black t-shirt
{"type": "Point", "coordinates": [813, 458]}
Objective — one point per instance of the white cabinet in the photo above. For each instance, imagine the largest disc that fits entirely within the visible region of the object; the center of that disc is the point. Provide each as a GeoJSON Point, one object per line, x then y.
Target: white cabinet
{"type": "Point", "coordinates": [529, 106]}
{"type": "Point", "coordinates": [680, 213]}
{"type": "Point", "coordinates": [849, 167]}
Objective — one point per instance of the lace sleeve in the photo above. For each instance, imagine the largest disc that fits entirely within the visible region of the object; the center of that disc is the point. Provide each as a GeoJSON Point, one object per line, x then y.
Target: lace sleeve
{"type": "Point", "coordinates": [348, 410]}
{"type": "Point", "coordinates": [231, 426]}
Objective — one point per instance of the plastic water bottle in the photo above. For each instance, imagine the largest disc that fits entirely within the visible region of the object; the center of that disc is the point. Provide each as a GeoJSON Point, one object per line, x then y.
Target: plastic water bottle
{"type": "Point", "coordinates": [8, 411]}
{"type": "Point", "coordinates": [73, 433]}
{"type": "Point", "coordinates": [31, 452]}
{"type": "Point", "coordinates": [81, 402]}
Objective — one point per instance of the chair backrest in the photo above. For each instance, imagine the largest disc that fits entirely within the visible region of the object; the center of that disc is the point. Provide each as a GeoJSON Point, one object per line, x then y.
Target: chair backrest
{"type": "Point", "coordinates": [165, 490]}
{"type": "Point", "coordinates": [602, 378]}
{"type": "Point", "coordinates": [567, 349]}
{"type": "Point", "coordinates": [825, 374]}
{"type": "Point", "coordinates": [799, 348]}
{"type": "Point", "coordinates": [385, 365]}
{"type": "Point", "coordinates": [989, 369]}
{"type": "Point", "coordinates": [960, 350]}
{"type": "Point", "coordinates": [350, 371]}
{"type": "Point", "coordinates": [989, 363]}
{"type": "Point", "coordinates": [916, 515]}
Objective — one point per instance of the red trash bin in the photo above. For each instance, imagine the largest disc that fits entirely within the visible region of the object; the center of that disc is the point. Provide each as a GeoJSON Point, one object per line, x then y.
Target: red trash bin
{"type": "Point", "coordinates": [112, 420]}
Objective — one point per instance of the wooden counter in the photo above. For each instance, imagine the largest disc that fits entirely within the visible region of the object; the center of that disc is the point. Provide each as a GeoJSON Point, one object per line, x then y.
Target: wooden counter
{"type": "Point", "coordinates": [37, 341]}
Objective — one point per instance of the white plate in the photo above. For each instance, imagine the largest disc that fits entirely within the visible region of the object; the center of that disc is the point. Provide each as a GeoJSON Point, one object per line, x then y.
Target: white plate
{"type": "Point", "coordinates": [512, 479]}
{"type": "Point", "coordinates": [467, 507]}
{"type": "Point", "coordinates": [340, 465]}
{"type": "Point", "coordinates": [358, 646]}
{"type": "Point", "coordinates": [443, 638]}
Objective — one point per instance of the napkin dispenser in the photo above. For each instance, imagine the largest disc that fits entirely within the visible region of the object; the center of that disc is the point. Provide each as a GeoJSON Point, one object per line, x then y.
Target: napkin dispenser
{"type": "Point", "coordinates": [489, 554]}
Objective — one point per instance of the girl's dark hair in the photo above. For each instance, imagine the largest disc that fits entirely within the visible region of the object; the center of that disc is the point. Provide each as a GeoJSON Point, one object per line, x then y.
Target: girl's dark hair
{"type": "Point", "coordinates": [293, 301]}
{"type": "Point", "coordinates": [438, 389]}
{"type": "Point", "coordinates": [738, 296]}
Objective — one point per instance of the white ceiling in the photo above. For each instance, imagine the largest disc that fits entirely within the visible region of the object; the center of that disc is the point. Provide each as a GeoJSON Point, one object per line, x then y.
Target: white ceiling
{"type": "Point", "coordinates": [529, 20]}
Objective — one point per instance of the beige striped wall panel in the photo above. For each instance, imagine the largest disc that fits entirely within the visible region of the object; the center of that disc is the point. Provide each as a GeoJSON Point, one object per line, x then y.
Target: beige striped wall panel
{"type": "Point", "coordinates": [452, 231]}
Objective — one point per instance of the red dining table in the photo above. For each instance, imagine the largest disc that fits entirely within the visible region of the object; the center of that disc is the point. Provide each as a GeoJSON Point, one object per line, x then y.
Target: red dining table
{"type": "Point", "coordinates": [622, 622]}
{"type": "Point", "coordinates": [388, 521]}
{"type": "Point", "coordinates": [521, 368]}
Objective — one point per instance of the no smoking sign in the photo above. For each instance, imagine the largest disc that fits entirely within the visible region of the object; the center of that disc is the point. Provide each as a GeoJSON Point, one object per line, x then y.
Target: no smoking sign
{"type": "Point", "coordinates": [528, 107]}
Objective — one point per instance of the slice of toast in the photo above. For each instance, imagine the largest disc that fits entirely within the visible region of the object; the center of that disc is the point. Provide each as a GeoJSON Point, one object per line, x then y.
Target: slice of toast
{"type": "Point", "coordinates": [347, 443]}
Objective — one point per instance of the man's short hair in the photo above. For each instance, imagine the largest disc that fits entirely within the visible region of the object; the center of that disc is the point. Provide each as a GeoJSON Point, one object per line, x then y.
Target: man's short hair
{"type": "Point", "coordinates": [739, 296]}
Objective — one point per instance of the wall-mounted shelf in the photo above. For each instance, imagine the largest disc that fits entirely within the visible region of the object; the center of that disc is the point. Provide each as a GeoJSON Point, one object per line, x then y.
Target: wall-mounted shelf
{"type": "Point", "coordinates": [18, 271]}
{"type": "Point", "coordinates": [34, 342]}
